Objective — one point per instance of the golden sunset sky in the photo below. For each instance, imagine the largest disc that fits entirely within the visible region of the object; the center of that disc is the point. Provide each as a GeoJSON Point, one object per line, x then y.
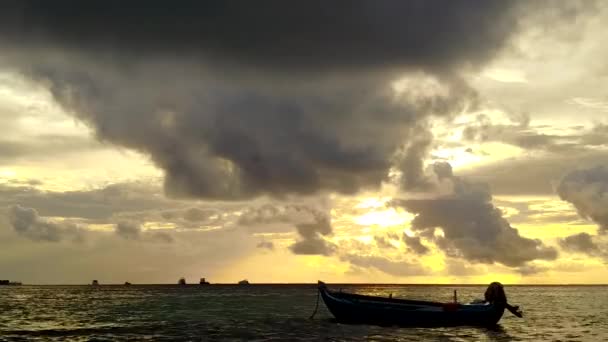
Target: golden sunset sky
{"type": "Point", "coordinates": [378, 142]}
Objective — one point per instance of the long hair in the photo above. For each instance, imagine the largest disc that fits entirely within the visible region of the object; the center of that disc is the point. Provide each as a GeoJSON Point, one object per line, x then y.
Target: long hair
{"type": "Point", "coordinates": [495, 293]}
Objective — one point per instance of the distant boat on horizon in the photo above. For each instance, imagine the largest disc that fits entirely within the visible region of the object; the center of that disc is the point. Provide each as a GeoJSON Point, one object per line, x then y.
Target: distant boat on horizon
{"type": "Point", "coordinates": [181, 281]}
{"type": "Point", "coordinates": [95, 283]}
{"type": "Point", "coordinates": [203, 281]}
{"type": "Point", "coordinates": [244, 282]}
{"type": "Point", "coordinates": [127, 283]}
{"type": "Point", "coordinates": [10, 283]}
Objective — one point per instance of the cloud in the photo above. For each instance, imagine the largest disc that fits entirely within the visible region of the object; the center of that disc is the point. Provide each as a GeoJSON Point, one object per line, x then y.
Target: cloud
{"type": "Point", "coordinates": [311, 240]}
{"type": "Point", "coordinates": [235, 102]}
{"type": "Point", "coordinates": [473, 228]}
{"type": "Point", "coordinates": [519, 132]}
{"type": "Point", "coordinates": [531, 269]}
{"type": "Point", "coordinates": [113, 260]}
{"type": "Point", "coordinates": [384, 241]}
{"type": "Point", "coordinates": [457, 267]}
{"type": "Point", "coordinates": [27, 223]}
{"type": "Point", "coordinates": [580, 243]}
{"type": "Point", "coordinates": [95, 204]}
{"type": "Point", "coordinates": [277, 35]}
{"type": "Point", "coordinates": [311, 224]}
{"type": "Point", "coordinates": [413, 244]}
{"type": "Point", "coordinates": [133, 231]}
{"type": "Point", "coordinates": [401, 268]}
{"type": "Point", "coordinates": [161, 237]}
{"type": "Point", "coordinates": [265, 245]}
{"type": "Point", "coordinates": [543, 173]}
{"type": "Point", "coordinates": [541, 211]}
{"type": "Point", "coordinates": [313, 246]}
{"type": "Point", "coordinates": [128, 230]}
{"type": "Point", "coordinates": [587, 190]}
{"type": "Point", "coordinates": [547, 156]}
{"type": "Point", "coordinates": [197, 214]}
{"type": "Point", "coordinates": [44, 147]}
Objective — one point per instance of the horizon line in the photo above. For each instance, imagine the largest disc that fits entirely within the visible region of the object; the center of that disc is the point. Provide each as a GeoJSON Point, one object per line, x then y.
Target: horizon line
{"type": "Point", "coordinates": [302, 283]}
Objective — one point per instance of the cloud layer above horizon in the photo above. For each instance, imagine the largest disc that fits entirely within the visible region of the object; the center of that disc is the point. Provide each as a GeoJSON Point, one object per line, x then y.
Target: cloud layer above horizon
{"type": "Point", "coordinates": [394, 139]}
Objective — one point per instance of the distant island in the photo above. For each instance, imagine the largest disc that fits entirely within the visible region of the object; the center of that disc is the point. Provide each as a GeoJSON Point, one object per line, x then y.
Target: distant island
{"type": "Point", "coordinates": [244, 282]}
{"type": "Point", "coordinates": [95, 283]}
{"type": "Point", "coordinates": [203, 281]}
{"type": "Point", "coordinates": [181, 281]}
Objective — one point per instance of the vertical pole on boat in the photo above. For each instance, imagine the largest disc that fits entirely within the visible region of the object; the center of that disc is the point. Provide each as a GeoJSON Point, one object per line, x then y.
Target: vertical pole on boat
{"type": "Point", "coordinates": [455, 297]}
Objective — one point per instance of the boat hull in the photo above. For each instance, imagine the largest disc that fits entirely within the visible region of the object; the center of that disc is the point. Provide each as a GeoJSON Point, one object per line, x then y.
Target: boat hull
{"type": "Point", "coordinates": [352, 308]}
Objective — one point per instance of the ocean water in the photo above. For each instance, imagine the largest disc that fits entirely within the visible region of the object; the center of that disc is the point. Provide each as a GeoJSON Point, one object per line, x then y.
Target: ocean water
{"type": "Point", "coordinates": [279, 313]}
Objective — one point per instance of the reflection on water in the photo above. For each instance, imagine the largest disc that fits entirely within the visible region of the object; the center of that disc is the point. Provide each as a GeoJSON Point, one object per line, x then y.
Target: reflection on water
{"type": "Point", "coordinates": [278, 312]}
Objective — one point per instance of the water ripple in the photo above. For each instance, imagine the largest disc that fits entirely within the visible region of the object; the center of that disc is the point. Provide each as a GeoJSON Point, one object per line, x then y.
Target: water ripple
{"type": "Point", "coordinates": [277, 313]}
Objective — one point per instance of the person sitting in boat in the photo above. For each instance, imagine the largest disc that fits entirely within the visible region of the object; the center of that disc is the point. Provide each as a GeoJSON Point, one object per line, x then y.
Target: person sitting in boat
{"type": "Point", "coordinates": [495, 294]}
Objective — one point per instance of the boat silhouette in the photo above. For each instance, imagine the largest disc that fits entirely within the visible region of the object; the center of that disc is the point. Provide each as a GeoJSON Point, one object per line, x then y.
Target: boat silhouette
{"type": "Point", "coordinates": [355, 308]}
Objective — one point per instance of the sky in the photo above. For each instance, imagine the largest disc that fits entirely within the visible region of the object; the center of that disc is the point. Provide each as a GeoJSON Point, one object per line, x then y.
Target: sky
{"type": "Point", "coordinates": [349, 141]}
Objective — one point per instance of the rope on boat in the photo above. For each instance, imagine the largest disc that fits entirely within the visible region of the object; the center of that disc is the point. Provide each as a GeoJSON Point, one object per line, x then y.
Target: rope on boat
{"type": "Point", "coordinates": [316, 306]}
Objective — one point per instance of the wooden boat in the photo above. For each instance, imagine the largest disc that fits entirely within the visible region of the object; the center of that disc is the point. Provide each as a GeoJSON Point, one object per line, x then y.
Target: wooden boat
{"type": "Point", "coordinates": [355, 308]}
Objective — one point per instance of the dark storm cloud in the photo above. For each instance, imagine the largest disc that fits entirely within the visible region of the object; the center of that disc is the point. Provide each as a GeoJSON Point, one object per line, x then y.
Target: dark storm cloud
{"type": "Point", "coordinates": [27, 223]}
{"type": "Point", "coordinates": [235, 101]}
{"type": "Point", "coordinates": [275, 34]}
{"type": "Point", "coordinates": [473, 228]}
{"type": "Point", "coordinates": [587, 190]}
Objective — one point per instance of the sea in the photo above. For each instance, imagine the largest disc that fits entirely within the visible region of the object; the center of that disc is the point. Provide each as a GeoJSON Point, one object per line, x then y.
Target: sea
{"type": "Point", "coordinates": [279, 313]}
